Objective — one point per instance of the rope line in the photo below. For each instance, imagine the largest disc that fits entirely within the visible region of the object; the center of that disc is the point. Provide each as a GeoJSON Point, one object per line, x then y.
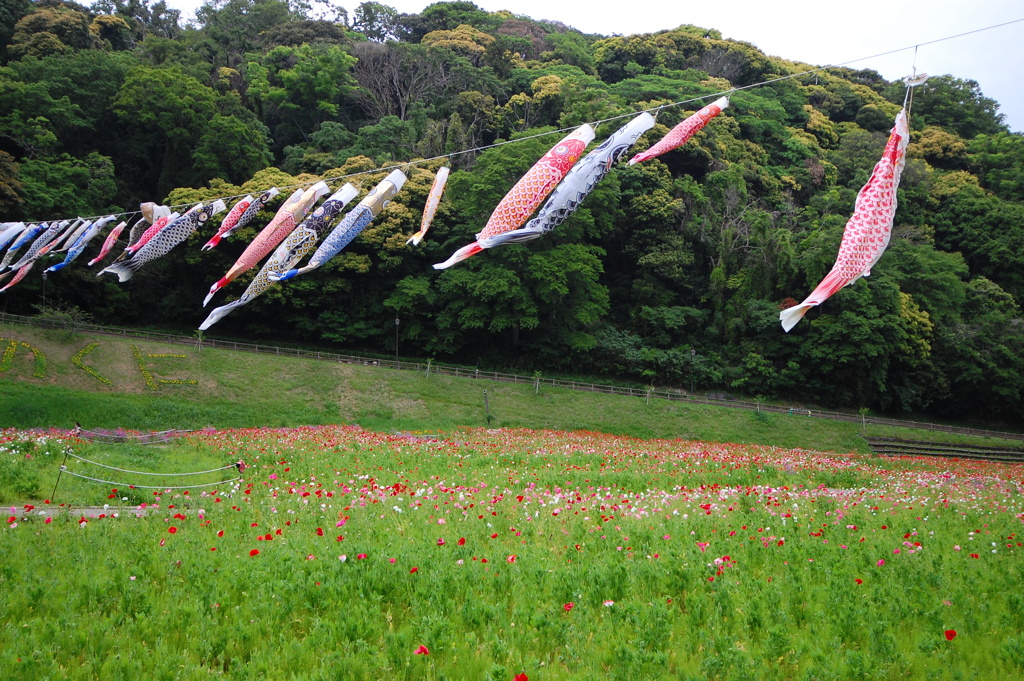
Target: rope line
{"type": "Point", "coordinates": [450, 155]}
{"type": "Point", "coordinates": [123, 470]}
{"type": "Point", "coordinates": [130, 485]}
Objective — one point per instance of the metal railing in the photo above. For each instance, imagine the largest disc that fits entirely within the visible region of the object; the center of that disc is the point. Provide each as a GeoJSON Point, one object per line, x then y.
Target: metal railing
{"type": "Point", "coordinates": [462, 372]}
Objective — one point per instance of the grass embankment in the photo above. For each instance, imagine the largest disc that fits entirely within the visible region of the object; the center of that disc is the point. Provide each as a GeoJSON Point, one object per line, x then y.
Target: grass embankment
{"type": "Point", "coordinates": [238, 389]}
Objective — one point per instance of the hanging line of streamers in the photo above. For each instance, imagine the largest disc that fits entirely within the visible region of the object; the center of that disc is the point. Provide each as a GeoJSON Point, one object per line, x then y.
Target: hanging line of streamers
{"type": "Point", "coordinates": [594, 124]}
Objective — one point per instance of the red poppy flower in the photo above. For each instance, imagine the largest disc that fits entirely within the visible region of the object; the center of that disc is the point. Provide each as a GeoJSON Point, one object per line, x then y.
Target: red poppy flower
{"type": "Point", "coordinates": [213, 548]}
{"type": "Point", "coordinates": [494, 536]}
{"type": "Point", "coordinates": [511, 558]}
{"type": "Point", "coordinates": [440, 541]}
{"type": "Point", "coordinates": [415, 569]}
{"type": "Point", "coordinates": [974, 555]}
{"type": "Point", "coordinates": [422, 650]}
{"type": "Point", "coordinates": [254, 552]}
{"type": "Point", "coordinates": [319, 531]}
{"type": "Point", "coordinates": [950, 634]}
{"type": "Point", "coordinates": [522, 677]}
{"type": "Point", "coordinates": [220, 533]}
{"type": "Point", "coordinates": [172, 529]}
{"type": "Point", "coordinates": [859, 580]}
{"type": "Point", "coordinates": [361, 556]}
{"type": "Point", "coordinates": [462, 541]}
{"type": "Point", "coordinates": [568, 606]}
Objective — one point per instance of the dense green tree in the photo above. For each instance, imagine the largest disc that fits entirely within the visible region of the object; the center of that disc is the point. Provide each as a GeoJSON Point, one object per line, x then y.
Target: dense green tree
{"type": "Point", "coordinates": [63, 185]}
{"type": "Point", "coordinates": [142, 18]}
{"type": "Point", "coordinates": [10, 187]}
{"type": "Point", "coordinates": [167, 118]}
{"type": "Point", "coordinates": [998, 161]}
{"type": "Point", "coordinates": [234, 27]}
{"type": "Point", "coordinates": [51, 30]}
{"type": "Point", "coordinates": [301, 31]}
{"type": "Point", "coordinates": [988, 231]}
{"type": "Point", "coordinates": [232, 149]}
{"type": "Point", "coordinates": [296, 89]}
{"type": "Point", "coordinates": [956, 104]}
{"type": "Point", "coordinates": [375, 20]}
{"type": "Point", "coordinates": [11, 11]}
{"type": "Point", "coordinates": [445, 16]}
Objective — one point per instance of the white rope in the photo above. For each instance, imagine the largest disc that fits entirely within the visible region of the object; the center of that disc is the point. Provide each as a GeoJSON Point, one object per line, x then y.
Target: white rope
{"type": "Point", "coordinates": [408, 164]}
{"type": "Point", "coordinates": [123, 470]}
{"type": "Point", "coordinates": [129, 485]}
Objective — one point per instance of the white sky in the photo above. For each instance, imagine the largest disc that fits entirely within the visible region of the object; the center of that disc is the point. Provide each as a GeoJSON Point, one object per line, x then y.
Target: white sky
{"type": "Point", "coordinates": [815, 31]}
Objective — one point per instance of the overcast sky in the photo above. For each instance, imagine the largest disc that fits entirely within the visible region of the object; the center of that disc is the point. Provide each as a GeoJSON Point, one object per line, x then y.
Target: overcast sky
{"type": "Point", "coordinates": [815, 32]}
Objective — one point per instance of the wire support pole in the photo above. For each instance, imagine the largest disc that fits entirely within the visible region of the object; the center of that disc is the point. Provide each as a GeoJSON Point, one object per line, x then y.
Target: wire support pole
{"type": "Point", "coordinates": [62, 469]}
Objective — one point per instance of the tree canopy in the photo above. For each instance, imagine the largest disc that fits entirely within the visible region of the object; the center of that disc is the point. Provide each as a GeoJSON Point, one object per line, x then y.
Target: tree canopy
{"type": "Point", "coordinates": [672, 271]}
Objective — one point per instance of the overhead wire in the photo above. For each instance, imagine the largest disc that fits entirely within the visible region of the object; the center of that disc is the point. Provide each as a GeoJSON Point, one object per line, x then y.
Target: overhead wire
{"type": "Point", "coordinates": [655, 110]}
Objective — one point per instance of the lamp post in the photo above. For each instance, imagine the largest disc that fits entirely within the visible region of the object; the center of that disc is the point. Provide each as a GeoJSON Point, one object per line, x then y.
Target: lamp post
{"type": "Point", "coordinates": [44, 289]}
{"type": "Point", "coordinates": [397, 323]}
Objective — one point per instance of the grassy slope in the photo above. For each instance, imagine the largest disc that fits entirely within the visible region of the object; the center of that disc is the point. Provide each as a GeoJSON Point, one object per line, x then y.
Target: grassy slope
{"type": "Point", "coordinates": [236, 389]}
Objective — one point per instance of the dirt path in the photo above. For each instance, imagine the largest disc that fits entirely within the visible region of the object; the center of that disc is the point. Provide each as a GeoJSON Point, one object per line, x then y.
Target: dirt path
{"type": "Point", "coordinates": [85, 511]}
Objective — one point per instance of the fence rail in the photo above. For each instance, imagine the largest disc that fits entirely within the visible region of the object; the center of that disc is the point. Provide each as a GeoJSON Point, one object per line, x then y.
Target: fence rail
{"type": "Point", "coordinates": [538, 381]}
{"type": "Point", "coordinates": [897, 447]}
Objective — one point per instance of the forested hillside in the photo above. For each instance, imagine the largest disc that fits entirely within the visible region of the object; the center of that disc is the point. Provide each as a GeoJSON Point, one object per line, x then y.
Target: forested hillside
{"type": "Point", "coordinates": [673, 271]}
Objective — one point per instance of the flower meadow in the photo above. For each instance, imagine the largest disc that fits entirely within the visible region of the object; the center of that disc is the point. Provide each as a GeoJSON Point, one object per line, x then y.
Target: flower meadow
{"type": "Point", "coordinates": [342, 553]}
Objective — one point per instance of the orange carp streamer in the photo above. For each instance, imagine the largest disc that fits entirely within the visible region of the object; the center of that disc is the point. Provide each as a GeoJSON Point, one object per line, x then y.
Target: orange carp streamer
{"type": "Point", "coordinates": [867, 233]}
{"type": "Point", "coordinates": [528, 193]}
{"type": "Point", "coordinates": [679, 135]}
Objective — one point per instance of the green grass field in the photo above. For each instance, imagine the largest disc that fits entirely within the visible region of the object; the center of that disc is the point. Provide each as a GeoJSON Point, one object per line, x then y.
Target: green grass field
{"type": "Point", "coordinates": [511, 554]}
{"type": "Point", "coordinates": [691, 542]}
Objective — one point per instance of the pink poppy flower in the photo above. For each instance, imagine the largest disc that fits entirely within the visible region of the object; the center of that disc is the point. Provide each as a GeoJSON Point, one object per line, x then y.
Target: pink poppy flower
{"type": "Point", "coordinates": [422, 650]}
